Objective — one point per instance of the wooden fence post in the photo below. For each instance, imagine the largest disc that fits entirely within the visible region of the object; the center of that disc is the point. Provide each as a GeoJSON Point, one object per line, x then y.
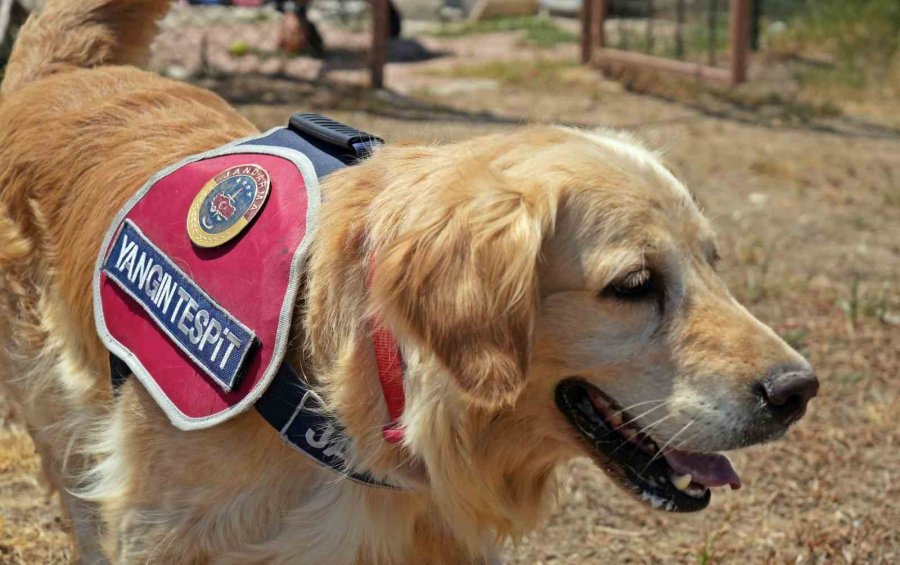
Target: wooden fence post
{"type": "Point", "coordinates": [598, 35]}
{"type": "Point", "coordinates": [740, 40]}
{"type": "Point", "coordinates": [380, 32]}
{"type": "Point", "coordinates": [594, 49]}
{"type": "Point", "coordinates": [593, 16]}
{"type": "Point", "coordinates": [587, 26]}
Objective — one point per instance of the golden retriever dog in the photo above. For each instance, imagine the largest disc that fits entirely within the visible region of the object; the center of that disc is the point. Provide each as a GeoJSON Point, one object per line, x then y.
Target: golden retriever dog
{"type": "Point", "coordinates": [554, 294]}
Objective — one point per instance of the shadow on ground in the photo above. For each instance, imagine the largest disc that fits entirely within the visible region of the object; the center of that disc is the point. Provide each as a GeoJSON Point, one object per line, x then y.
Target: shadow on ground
{"type": "Point", "coordinates": [325, 94]}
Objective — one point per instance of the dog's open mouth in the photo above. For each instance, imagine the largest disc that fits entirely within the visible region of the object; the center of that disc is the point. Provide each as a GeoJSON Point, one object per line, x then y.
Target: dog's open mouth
{"type": "Point", "coordinates": [676, 481]}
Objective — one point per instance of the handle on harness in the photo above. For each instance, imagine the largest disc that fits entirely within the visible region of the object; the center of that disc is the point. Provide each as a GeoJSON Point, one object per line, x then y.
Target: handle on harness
{"type": "Point", "coordinates": [356, 142]}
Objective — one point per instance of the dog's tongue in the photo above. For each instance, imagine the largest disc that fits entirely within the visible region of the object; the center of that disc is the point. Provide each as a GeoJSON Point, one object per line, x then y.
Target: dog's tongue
{"type": "Point", "coordinates": [707, 469]}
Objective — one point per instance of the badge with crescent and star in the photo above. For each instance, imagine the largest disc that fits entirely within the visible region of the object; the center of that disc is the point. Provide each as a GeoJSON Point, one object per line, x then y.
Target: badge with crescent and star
{"type": "Point", "coordinates": [227, 204]}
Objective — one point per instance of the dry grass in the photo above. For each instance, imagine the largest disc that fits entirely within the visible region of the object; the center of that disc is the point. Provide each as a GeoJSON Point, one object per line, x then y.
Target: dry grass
{"type": "Point", "coordinates": [809, 222]}
{"type": "Point", "coordinates": [31, 528]}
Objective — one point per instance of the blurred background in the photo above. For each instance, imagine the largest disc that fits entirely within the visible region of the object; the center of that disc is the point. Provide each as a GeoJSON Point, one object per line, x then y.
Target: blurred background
{"type": "Point", "coordinates": [789, 132]}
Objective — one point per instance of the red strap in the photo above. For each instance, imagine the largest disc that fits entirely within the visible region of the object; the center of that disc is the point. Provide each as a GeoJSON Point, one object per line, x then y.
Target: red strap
{"type": "Point", "coordinates": [390, 373]}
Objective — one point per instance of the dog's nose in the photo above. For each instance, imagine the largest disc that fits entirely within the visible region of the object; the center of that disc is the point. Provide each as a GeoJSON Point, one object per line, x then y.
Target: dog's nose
{"type": "Point", "coordinates": [787, 392]}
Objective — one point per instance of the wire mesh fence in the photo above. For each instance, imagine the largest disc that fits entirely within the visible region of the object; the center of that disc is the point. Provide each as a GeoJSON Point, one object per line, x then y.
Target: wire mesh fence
{"type": "Point", "coordinates": [695, 31]}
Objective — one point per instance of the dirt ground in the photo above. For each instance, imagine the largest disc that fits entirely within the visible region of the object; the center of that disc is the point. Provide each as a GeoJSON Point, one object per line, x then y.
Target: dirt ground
{"type": "Point", "coordinates": [808, 211]}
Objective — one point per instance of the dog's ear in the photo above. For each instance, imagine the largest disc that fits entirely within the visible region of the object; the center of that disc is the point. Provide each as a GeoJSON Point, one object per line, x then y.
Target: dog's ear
{"type": "Point", "coordinates": [461, 278]}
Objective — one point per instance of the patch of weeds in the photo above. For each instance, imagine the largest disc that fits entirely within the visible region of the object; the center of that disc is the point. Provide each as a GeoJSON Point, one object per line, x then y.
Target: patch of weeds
{"type": "Point", "coordinates": [862, 38]}
{"type": "Point", "coordinates": [548, 36]}
{"type": "Point", "coordinates": [539, 31]}
{"type": "Point", "coordinates": [804, 112]}
{"type": "Point", "coordinates": [775, 168]}
{"type": "Point", "coordinates": [841, 76]}
{"type": "Point", "coordinates": [851, 305]}
{"type": "Point", "coordinates": [892, 196]}
{"type": "Point", "coordinates": [240, 49]}
{"type": "Point", "coordinates": [860, 222]}
{"type": "Point", "coordinates": [516, 73]}
{"type": "Point", "coordinates": [704, 557]}
{"type": "Point", "coordinates": [757, 257]}
{"type": "Point", "coordinates": [788, 108]}
{"type": "Point", "coordinates": [861, 304]}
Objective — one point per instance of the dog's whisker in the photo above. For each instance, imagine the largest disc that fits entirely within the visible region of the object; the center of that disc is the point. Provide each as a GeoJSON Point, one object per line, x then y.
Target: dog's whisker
{"type": "Point", "coordinates": [656, 423]}
{"type": "Point", "coordinates": [662, 449]}
{"type": "Point", "coordinates": [644, 429]}
{"type": "Point", "coordinates": [636, 404]}
{"type": "Point", "coordinates": [639, 416]}
{"type": "Point", "coordinates": [686, 441]}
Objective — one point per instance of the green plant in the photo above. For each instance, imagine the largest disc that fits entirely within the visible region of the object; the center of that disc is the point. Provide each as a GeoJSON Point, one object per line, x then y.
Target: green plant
{"type": "Point", "coordinates": [863, 304]}
{"type": "Point", "coordinates": [851, 306]}
{"type": "Point", "coordinates": [547, 73]}
{"type": "Point", "coordinates": [862, 38]}
{"type": "Point", "coordinates": [756, 257]}
{"type": "Point", "coordinates": [239, 48]}
{"type": "Point", "coordinates": [548, 36]}
{"type": "Point", "coordinates": [703, 556]}
{"type": "Point", "coordinates": [538, 30]}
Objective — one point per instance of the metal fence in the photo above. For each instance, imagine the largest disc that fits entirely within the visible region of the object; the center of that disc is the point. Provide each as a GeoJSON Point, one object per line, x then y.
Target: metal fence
{"type": "Point", "coordinates": [686, 30]}
{"type": "Point", "coordinates": [705, 38]}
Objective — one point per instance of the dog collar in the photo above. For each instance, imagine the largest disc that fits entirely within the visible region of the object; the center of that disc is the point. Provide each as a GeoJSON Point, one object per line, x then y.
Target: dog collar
{"type": "Point", "coordinates": [224, 351]}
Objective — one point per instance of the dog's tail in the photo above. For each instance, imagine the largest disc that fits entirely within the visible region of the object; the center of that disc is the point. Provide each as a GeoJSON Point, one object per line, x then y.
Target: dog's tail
{"type": "Point", "coordinates": [69, 34]}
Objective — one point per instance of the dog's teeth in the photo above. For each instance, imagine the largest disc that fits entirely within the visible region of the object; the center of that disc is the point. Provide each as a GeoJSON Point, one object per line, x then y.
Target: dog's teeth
{"type": "Point", "coordinates": [681, 482]}
{"type": "Point", "coordinates": [628, 433]}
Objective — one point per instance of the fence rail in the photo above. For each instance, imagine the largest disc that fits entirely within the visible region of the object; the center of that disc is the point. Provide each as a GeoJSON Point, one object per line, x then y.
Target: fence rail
{"type": "Point", "coordinates": [596, 47]}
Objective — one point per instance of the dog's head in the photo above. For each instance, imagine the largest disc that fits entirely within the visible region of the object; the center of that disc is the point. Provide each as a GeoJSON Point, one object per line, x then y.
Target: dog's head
{"type": "Point", "coordinates": [556, 294]}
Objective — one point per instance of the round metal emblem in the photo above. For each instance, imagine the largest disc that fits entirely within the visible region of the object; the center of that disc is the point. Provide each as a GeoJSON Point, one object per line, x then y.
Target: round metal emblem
{"type": "Point", "coordinates": [227, 204]}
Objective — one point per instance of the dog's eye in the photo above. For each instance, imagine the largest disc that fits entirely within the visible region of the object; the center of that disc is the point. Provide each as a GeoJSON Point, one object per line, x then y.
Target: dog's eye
{"type": "Point", "coordinates": [636, 284]}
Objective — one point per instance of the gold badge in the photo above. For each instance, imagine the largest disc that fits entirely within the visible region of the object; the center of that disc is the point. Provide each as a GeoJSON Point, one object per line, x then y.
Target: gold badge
{"type": "Point", "coordinates": [227, 204]}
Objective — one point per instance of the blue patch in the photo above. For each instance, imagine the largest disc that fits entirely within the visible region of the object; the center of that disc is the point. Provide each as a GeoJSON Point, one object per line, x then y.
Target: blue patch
{"type": "Point", "coordinates": [214, 339]}
{"type": "Point", "coordinates": [295, 410]}
{"type": "Point", "coordinates": [227, 203]}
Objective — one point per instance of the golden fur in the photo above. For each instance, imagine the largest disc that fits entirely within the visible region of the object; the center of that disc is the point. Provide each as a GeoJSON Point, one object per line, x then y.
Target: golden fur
{"type": "Point", "coordinates": [490, 257]}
